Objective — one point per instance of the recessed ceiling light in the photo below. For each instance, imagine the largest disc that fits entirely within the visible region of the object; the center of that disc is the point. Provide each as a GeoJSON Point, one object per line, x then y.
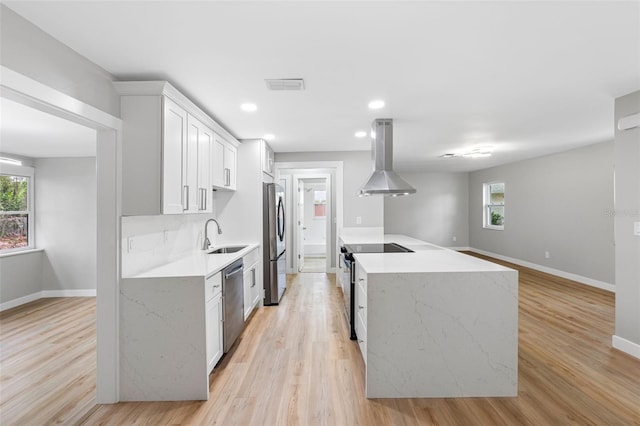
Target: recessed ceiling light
{"type": "Point", "coordinates": [248, 107]}
{"type": "Point", "coordinates": [269, 137]}
{"type": "Point", "coordinates": [483, 151]}
{"type": "Point", "coordinates": [361, 134]}
{"type": "Point", "coordinates": [377, 104]}
{"type": "Point", "coordinates": [448, 155]}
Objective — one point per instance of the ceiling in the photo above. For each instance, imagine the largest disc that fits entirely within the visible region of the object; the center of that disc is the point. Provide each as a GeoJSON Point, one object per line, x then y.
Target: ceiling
{"type": "Point", "coordinates": [32, 133]}
{"type": "Point", "coordinates": [527, 78]}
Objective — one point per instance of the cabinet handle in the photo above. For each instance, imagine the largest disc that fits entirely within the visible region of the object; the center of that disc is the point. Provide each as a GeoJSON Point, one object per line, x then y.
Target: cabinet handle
{"type": "Point", "coordinates": [204, 192]}
{"type": "Point", "coordinates": [216, 286]}
{"type": "Point", "coordinates": [360, 341]}
{"type": "Point", "coordinates": [185, 190]}
{"type": "Point", "coordinates": [253, 278]}
{"type": "Point", "coordinates": [360, 279]}
{"type": "Point", "coordinates": [360, 307]}
{"type": "Point", "coordinates": [227, 177]}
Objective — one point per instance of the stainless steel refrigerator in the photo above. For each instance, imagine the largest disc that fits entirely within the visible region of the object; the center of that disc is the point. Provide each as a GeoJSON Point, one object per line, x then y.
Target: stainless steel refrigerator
{"type": "Point", "coordinates": [273, 243]}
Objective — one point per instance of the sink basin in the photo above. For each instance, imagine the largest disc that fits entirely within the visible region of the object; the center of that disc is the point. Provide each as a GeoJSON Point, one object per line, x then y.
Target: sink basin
{"type": "Point", "coordinates": [227, 250]}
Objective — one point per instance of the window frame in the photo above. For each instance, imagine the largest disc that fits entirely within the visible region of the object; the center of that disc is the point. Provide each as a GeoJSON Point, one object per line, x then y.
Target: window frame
{"type": "Point", "coordinates": [28, 172]}
{"type": "Point", "coordinates": [486, 208]}
{"type": "Point", "coordinates": [315, 217]}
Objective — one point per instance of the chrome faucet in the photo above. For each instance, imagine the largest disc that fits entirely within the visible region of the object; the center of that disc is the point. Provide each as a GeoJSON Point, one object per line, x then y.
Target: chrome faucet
{"type": "Point", "coordinates": [207, 243]}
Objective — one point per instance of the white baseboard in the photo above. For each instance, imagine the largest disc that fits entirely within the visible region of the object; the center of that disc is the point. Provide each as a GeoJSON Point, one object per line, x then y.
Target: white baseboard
{"type": "Point", "coordinates": [568, 275]}
{"type": "Point", "coordinates": [69, 293]}
{"type": "Point", "coordinates": [46, 294]}
{"type": "Point", "coordinates": [459, 248]}
{"type": "Point", "coordinates": [626, 346]}
{"type": "Point", "coordinates": [20, 301]}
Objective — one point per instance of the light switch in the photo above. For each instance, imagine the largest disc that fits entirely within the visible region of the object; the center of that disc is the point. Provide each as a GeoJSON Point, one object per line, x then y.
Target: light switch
{"type": "Point", "coordinates": [358, 220]}
{"type": "Point", "coordinates": [636, 229]}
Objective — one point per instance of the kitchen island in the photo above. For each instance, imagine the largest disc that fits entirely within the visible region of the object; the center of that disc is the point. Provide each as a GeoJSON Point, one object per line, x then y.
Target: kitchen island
{"type": "Point", "coordinates": [436, 323]}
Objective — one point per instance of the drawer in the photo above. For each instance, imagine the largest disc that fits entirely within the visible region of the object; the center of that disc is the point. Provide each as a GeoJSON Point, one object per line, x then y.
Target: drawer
{"type": "Point", "coordinates": [361, 278]}
{"type": "Point", "coordinates": [361, 302]}
{"type": "Point", "coordinates": [250, 258]}
{"type": "Point", "coordinates": [212, 286]}
{"type": "Point", "coordinates": [361, 333]}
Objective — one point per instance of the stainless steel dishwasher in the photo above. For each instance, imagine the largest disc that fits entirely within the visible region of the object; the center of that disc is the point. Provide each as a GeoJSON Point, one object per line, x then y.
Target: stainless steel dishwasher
{"type": "Point", "coordinates": [232, 302]}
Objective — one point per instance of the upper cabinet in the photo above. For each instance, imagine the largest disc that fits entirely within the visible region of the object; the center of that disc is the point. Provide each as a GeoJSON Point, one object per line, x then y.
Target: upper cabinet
{"type": "Point", "coordinates": [170, 152]}
{"type": "Point", "coordinates": [268, 158]}
{"type": "Point", "coordinates": [224, 165]}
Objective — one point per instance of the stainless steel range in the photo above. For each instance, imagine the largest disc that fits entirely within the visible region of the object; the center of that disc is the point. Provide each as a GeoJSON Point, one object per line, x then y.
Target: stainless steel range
{"type": "Point", "coordinates": [347, 263]}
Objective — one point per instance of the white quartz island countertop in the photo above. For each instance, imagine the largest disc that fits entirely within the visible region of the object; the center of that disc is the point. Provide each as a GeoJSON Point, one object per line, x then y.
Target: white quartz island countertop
{"type": "Point", "coordinates": [435, 323]}
{"type": "Point", "coordinates": [426, 258]}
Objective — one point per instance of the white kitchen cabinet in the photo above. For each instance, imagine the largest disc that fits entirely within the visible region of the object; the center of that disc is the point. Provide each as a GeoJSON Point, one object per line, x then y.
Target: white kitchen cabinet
{"type": "Point", "coordinates": [251, 280]}
{"type": "Point", "coordinates": [214, 320]}
{"type": "Point", "coordinates": [174, 141]}
{"type": "Point", "coordinates": [196, 168]}
{"type": "Point", "coordinates": [224, 164]}
{"type": "Point", "coordinates": [360, 306]}
{"type": "Point", "coordinates": [268, 158]}
{"type": "Point", "coordinates": [167, 150]}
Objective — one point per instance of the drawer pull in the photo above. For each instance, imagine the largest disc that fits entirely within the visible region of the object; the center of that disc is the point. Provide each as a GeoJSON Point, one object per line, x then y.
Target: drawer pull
{"type": "Point", "coordinates": [360, 341]}
{"type": "Point", "coordinates": [216, 286]}
{"type": "Point", "coordinates": [360, 279]}
{"type": "Point", "coordinates": [360, 307]}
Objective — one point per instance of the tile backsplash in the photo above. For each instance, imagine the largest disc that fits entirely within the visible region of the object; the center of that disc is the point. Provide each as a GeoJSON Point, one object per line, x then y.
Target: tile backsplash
{"type": "Point", "coordinates": [150, 241]}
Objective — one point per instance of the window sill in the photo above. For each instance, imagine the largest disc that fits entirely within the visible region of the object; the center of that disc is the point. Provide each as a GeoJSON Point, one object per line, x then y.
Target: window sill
{"type": "Point", "coordinates": [19, 252]}
{"type": "Point", "coordinates": [494, 227]}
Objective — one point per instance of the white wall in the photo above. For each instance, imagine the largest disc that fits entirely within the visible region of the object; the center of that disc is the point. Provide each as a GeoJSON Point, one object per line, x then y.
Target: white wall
{"type": "Point", "coordinates": [559, 203]}
{"type": "Point", "coordinates": [30, 51]}
{"type": "Point", "coordinates": [357, 168]}
{"type": "Point", "coordinates": [65, 212]}
{"type": "Point", "coordinates": [627, 211]}
{"type": "Point", "coordinates": [436, 213]}
{"type": "Point", "coordinates": [20, 277]}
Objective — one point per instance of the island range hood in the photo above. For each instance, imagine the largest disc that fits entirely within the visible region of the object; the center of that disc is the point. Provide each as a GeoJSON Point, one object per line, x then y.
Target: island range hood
{"type": "Point", "coordinates": [383, 180]}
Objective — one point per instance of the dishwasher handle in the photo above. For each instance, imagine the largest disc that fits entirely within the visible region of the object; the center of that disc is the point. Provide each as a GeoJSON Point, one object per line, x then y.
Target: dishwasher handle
{"type": "Point", "coordinates": [233, 272]}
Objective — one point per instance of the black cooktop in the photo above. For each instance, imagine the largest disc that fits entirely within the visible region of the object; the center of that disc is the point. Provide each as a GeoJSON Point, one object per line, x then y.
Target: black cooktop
{"type": "Point", "coordinates": [377, 248]}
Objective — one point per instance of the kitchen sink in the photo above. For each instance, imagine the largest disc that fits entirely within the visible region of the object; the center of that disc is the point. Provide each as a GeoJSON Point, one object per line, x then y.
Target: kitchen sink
{"type": "Point", "coordinates": [227, 250]}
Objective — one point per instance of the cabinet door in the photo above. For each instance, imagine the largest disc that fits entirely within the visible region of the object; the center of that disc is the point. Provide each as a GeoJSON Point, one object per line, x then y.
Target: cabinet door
{"type": "Point", "coordinates": [190, 164]}
{"type": "Point", "coordinates": [174, 142]}
{"type": "Point", "coordinates": [230, 164]}
{"type": "Point", "coordinates": [267, 158]}
{"type": "Point", "coordinates": [214, 332]}
{"type": "Point", "coordinates": [205, 194]}
{"type": "Point", "coordinates": [217, 162]}
{"type": "Point", "coordinates": [255, 288]}
{"type": "Point", "coordinates": [248, 307]}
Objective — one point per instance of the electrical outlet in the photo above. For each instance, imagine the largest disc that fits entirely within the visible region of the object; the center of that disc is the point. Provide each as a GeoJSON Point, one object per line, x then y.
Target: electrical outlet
{"type": "Point", "coordinates": [454, 239]}
{"type": "Point", "coordinates": [547, 255]}
{"type": "Point", "coordinates": [358, 220]}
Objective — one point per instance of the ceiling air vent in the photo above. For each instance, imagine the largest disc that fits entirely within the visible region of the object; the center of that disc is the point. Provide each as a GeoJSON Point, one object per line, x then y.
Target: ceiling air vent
{"type": "Point", "coordinates": [284, 83]}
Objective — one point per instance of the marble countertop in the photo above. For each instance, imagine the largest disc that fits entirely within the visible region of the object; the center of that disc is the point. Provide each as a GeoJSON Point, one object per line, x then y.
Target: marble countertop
{"type": "Point", "coordinates": [198, 263]}
{"type": "Point", "coordinates": [427, 258]}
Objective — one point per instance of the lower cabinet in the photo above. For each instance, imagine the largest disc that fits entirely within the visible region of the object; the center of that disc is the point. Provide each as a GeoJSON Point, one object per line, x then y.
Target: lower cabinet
{"type": "Point", "coordinates": [214, 320]}
{"type": "Point", "coordinates": [251, 280]}
{"type": "Point", "coordinates": [360, 299]}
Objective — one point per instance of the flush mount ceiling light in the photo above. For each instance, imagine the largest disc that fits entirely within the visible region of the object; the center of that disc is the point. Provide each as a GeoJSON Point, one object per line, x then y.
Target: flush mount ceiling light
{"type": "Point", "coordinates": [376, 104]}
{"type": "Point", "coordinates": [248, 107]}
{"type": "Point", "coordinates": [484, 151]}
{"type": "Point", "coordinates": [269, 137]}
{"type": "Point", "coordinates": [7, 160]}
{"type": "Point", "coordinates": [360, 134]}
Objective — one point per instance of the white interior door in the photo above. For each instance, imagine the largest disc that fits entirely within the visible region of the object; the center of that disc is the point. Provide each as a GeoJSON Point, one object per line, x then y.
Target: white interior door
{"type": "Point", "coordinates": [300, 224]}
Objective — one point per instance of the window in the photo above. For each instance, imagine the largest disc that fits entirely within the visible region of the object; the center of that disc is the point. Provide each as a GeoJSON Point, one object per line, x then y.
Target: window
{"type": "Point", "coordinates": [16, 208]}
{"type": "Point", "coordinates": [494, 205]}
{"type": "Point", "coordinates": [319, 204]}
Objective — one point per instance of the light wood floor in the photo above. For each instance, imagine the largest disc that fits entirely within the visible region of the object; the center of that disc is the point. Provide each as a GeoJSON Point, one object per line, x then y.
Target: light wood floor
{"type": "Point", "coordinates": [295, 365]}
{"type": "Point", "coordinates": [48, 361]}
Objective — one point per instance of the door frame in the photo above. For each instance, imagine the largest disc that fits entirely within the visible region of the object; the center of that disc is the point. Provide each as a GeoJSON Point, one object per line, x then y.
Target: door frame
{"type": "Point", "coordinates": [299, 251]}
{"type": "Point", "coordinates": [26, 91]}
{"type": "Point", "coordinates": [309, 167]}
